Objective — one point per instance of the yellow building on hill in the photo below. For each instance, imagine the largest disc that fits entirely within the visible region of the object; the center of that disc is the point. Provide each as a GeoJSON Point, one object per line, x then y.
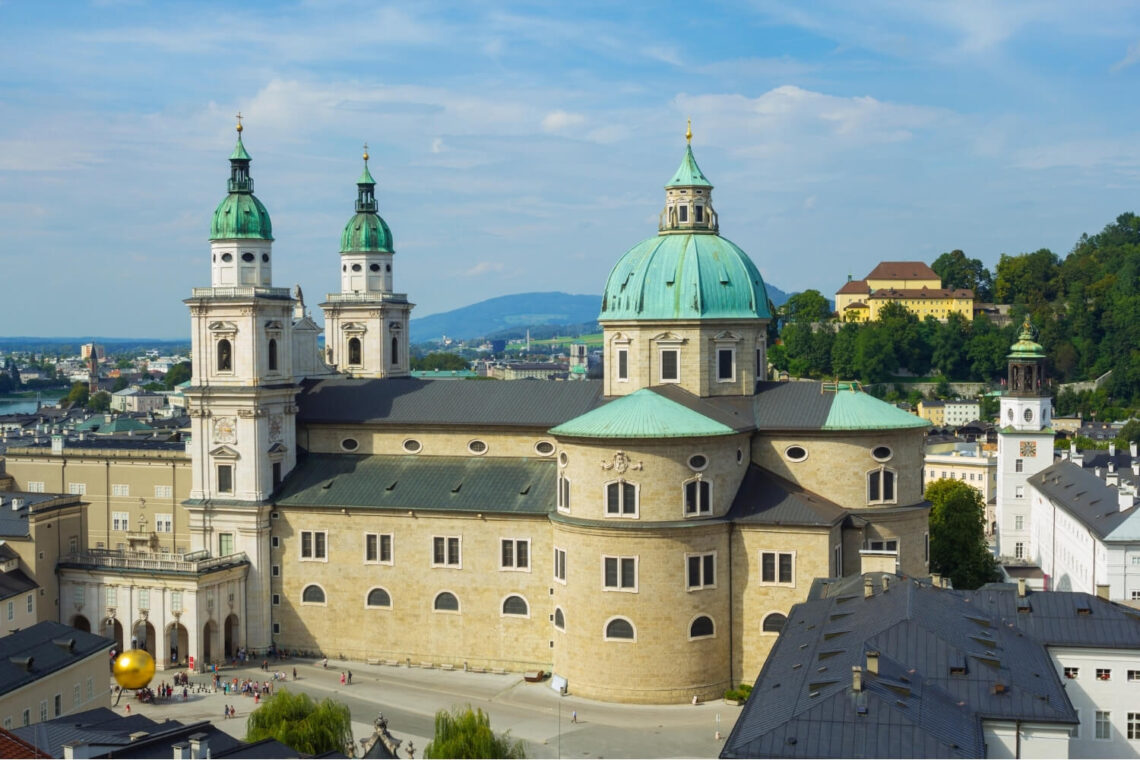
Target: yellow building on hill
{"type": "Point", "coordinates": [910, 283]}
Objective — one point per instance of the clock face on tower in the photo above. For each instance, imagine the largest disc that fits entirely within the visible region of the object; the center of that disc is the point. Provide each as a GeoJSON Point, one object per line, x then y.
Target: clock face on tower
{"type": "Point", "coordinates": [1028, 449]}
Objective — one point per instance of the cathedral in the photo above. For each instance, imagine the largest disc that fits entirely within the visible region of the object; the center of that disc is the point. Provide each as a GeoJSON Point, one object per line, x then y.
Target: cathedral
{"type": "Point", "coordinates": [642, 538]}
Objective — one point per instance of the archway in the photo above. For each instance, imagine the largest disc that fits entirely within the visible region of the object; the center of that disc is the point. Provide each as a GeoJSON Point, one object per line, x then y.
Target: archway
{"type": "Point", "coordinates": [231, 633]}
{"type": "Point", "coordinates": [81, 623]}
{"type": "Point", "coordinates": [178, 640]}
{"type": "Point", "coordinates": [143, 636]}
{"type": "Point", "coordinates": [208, 642]}
{"type": "Point", "coordinates": [113, 629]}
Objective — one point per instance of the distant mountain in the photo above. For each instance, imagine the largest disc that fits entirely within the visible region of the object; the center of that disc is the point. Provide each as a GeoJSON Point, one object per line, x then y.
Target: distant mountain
{"type": "Point", "coordinates": [521, 310]}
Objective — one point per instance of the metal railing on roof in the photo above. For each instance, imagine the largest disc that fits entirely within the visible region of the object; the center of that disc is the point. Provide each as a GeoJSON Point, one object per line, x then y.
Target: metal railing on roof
{"type": "Point", "coordinates": [240, 292]}
{"type": "Point", "coordinates": [123, 559]}
{"type": "Point", "coordinates": [365, 297]}
{"type": "Point", "coordinates": [841, 385]}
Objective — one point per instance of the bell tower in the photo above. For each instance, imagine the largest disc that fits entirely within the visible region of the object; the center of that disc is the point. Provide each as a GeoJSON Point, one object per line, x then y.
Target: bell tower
{"type": "Point", "coordinates": [1025, 443]}
{"type": "Point", "coordinates": [241, 400]}
{"type": "Point", "coordinates": [367, 322]}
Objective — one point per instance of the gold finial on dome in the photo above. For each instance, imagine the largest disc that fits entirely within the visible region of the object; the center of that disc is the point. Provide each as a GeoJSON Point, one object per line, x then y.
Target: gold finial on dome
{"type": "Point", "coordinates": [239, 126]}
{"type": "Point", "coordinates": [689, 132]}
{"type": "Point", "coordinates": [365, 151]}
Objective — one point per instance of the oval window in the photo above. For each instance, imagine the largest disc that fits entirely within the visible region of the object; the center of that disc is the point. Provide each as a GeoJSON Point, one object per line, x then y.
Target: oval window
{"type": "Point", "coordinates": [356, 267]}
{"type": "Point", "coordinates": [375, 268]}
{"type": "Point", "coordinates": [343, 268]}
{"type": "Point", "coordinates": [739, 456]}
{"type": "Point", "coordinates": [563, 459]}
{"type": "Point", "coordinates": [796, 453]}
{"type": "Point", "coordinates": [1029, 415]}
{"type": "Point", "coordinates": [1009, 414]}
{"type": "Point", "coordinates": [247, 257]}
{"type": "Point", "coordinates": [698, 462]}
{"type": "Point", "coordinates": [544, 448]}
{"type": "Point", "coordinates": [265, 257]}
{"type": "Point", "coordinates": [477, 447]}
{"type": "Point", "coordinates": [412, 446]}
{"type": "Point", "coordinates": [349, 444]}
{"type": "Point", "coordinates": [227, 257]}
{"type": "Point", "coordinates": [881, 453]}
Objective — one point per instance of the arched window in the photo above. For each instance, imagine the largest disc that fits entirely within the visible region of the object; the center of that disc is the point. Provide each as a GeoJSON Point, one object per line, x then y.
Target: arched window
{"type": "Point", "coordinates": [698, 497]}
{"type": "Point", "coordinates": [621, 499]}
{"type": "Point", "coordinates": [620, 628]}
{"type": "Point", "coordinates": [378, 597]}
{"type": "Point", "coordinates": [445, 601]}
{"type": "Point", "coordinates": [559, 619]}
{"type": "Point", "coordinates": [313, 594]}
{"type": "Point", "coordinates": [773, 623]}
{"type": "Point", "coordinates": [881, 486]}
{"type": "Point", "coordinates": [354, 352]}
{"type": "Point", "coordinates": [395, 358]}
{"type": "Point", "coordinates": [701, 627]}
{"type": "Point", "coordinates": [225, 356]}
{"type": "Point", "coordinates": [272, 354]}
{"type": "Point", "coordinates": [515, 605]}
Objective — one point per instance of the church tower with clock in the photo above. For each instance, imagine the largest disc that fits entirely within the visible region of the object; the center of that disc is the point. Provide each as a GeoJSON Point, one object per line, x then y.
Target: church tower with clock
{"type": "Point", "coordinates": [241, 403]}
{"type": "Point", "coordinates": [1025, 443]}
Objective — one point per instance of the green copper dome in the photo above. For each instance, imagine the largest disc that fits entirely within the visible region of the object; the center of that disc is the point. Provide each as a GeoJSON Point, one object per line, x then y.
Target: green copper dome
{"type": "Point", "coordinates": [688, 174]}
{"type": "Point", "coordinates": [240, 214]}
{"type": "Point", "coordinates": [685, 276]}
{"type": "Point", "coordinates": [366, 232]}
{"type": "Point", "coordinates": [1026, 347]}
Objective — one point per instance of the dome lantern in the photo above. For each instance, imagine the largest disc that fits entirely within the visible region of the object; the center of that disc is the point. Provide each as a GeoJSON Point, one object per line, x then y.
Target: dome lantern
{"type": "Point", "coordinates": [240, 214]}
{"type": "Point", "coordinates": [366, 231]}
{"type": "Point", "coordinates": [688, 197]}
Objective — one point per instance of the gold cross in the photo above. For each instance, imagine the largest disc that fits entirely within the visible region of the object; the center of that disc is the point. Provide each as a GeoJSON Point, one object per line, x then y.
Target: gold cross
{"type": "Point", "coordinates": [365, 151]}
{"type": "Point", "coordinates": [239, 127]}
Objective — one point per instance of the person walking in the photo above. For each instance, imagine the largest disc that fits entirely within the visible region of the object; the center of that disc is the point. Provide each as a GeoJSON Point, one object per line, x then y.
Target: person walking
{"type": "Point", "coordinates": [325, 663]}
{"type": "Point", "coordinates": [350, 677]}
{"type": "Point", "coordinates": [574, 717]}
{"type": "Point", "coordinates": [342, 678]}
{"type": "Point", "coordinates": [294, 674]}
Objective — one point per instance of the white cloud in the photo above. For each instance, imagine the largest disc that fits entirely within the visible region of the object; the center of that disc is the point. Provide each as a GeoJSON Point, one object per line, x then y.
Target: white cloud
{"type": "Point", "coordinates": [437, 145]}
{"type": "Point", "coordinates": [556, 121]}
{"type": "Point", "coordinates": [484, 267]}
{"type": "Point", "coordinates": [1131, 57]}
{"type": "Point", "coordinates": [663, 54]}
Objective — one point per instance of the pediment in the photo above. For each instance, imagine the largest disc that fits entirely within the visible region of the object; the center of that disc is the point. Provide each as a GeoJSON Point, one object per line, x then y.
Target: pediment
{"type": "Point", "coordinates": [220, 326]}
{"type": "Point", "coordinates": [668, 338]}
{"type": "Point", "coordinates": [225, 452]}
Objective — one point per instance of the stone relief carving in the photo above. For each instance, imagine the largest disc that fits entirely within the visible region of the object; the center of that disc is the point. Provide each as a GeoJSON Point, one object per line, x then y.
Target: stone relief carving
{"type": "Point", "coordinates": [225, 430]}
{"type": "Point", "coordinates": [621, 463]}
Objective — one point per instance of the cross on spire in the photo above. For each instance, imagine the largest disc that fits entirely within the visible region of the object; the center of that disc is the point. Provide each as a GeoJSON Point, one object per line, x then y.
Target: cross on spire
{"type": "Point", "coordinates": [239, 127]}
{"type": "Point", "coordinates": [365, 151]}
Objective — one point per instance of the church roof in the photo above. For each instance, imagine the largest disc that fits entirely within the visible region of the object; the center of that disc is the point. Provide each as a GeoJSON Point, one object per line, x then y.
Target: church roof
{"type": "Point", "coordinates": [642, 414]}
{"type": "Point", "coordinates": [767, 499]}
{"type": "Point", "coordinates": [688, 174]}
{"type": "Point", "coordinates": [902, 270]}
{"type": "Point", "coordinates": [466, 484]}
{"type": "Point", "coordinates": [1090, 500]}
{"type": "Point", "coordinates": [855, 286]}
{"type": "Point", "coordinates": [826, 406]}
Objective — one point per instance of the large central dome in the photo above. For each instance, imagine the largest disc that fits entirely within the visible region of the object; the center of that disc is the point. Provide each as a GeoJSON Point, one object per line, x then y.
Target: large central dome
{"type": "Point", "coordinates": [687, 271]}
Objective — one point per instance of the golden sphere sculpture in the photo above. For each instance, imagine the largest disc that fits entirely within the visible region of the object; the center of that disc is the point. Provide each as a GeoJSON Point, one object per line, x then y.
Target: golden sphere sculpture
{"type": "Point", "coordinates": [134, 668]}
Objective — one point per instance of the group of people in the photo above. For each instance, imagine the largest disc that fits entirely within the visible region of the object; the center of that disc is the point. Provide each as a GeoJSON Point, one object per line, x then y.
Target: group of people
{"type": "Point", "coordinates": [345, 677]}
{"type": "Point", "coordinates": [166, 691]}
{"type": "Point", "coordinates": [229, 711]}
{"type": "Point", "coordinates": [247, 687]}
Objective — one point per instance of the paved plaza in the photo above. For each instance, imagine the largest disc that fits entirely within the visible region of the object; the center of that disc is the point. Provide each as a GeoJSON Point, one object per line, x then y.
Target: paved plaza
{"type": "Point", "coordinates": [410, 697]}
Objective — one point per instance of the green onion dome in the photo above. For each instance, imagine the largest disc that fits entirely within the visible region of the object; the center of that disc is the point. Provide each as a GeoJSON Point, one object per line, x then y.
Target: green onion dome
{"type": "Point", "coordinates": [366, 232]}
{"type": "Point", "coordinates": [240, 214]}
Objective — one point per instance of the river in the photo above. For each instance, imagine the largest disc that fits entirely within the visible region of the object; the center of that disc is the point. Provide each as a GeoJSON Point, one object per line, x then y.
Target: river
{"type": "Point", "coordinates": [18, 405]}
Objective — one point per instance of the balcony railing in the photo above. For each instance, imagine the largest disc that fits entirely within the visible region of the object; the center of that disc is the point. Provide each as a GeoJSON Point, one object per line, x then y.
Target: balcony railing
{"type": "Point", "coordinates": [365, 297]}
{"type": "Point", "coordinates": [192, 562]}
{"type": "Point", "coordinates": [248, 291]}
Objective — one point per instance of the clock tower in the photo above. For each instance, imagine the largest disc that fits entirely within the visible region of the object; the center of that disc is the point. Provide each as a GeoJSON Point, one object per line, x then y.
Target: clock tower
{"type": "Point", "coordinates": [1025, 443]}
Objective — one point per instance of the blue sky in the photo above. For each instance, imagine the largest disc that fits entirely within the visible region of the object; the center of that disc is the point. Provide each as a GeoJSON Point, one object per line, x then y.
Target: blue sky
{"type": "Point", "coordinates": [524, 146]}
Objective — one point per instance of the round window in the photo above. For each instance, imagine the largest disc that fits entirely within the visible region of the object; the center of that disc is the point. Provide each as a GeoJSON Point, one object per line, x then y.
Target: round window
{"type": "Point", "coordinates": [881, 453]}
{"type": "Point", "coordinates": [739, 456]}
{"type": "Point", "coordinates": [477, 447]}
{"type": "Point", "coordinates": [1029, 415]}
{"type": "Point", "coordinates": [374, 268]}
{"type": "Point", "coordinates": [227, 257]}
{"type": "Point", "coordinates": [247, 257]}
{"type": "Point", "coordinates": [349, 444]}
{"type": "Point", "coordinates": [356, 267]}
{"type": "Point", "coordinates": [265, 257]}
{"type": "Point", "coordinates": [698, 462]}
{"type": "Point", "coordinates": [1009, 414]}
{"type": "Point", "coordinates": [343, 268]}
{"type": "Point", "coordinates": [796, 453]}
{"type": "Point", "coordinates": [544, 448]}
{"type": "Point", "coordinates": [563, 459]}
{"type": "Point", "coordinates": [412, 446]}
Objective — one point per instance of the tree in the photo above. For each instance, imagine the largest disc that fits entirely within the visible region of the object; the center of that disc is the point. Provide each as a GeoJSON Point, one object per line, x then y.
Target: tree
{"type": "Point", "coordinates": [439, 360]}
{"type": "Point", "coordinates": [808, 306]}
{"type": "Point", "coordinates": [78, 395]}
{"type": "Point", "coordinates": [179, 373]}
{"type": "Point", "coordinates": [301, 723]}
{"type": "Point", "coordinates": [957, 271]}
{"type": "Point", "coordinates": [467, 733]}
{"type": "Point", "coordinates": [100, 402]}
{"type": "Point", "coordinates": [121, 384]}
{"type": "Point", "coordinates": [957, 534]}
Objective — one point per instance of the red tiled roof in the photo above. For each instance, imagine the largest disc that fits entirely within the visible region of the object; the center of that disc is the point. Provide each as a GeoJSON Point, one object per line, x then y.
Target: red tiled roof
{"type": "Point", "coordinates": [855, 305]}
{"type": "Point", "coordinates": [895, 293]}
{"type": "Point", "coordinates": [14, 747]}
{"type": "Point", "coordinates": [854, 286]}
{"type": "Point", "coordinates": [903, 270]}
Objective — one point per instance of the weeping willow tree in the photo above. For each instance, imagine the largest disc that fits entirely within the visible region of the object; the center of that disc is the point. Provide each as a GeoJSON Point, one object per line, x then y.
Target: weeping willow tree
{"type": "Point", "coordinates": [301, 723]}
{"type": "Point", "coordinates": [466, 733]}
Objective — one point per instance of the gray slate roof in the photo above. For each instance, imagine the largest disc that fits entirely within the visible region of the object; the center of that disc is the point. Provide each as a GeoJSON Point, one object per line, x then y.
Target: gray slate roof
{"type": "Point", "coordinates": [1085, 496]}
{"type": "Point", "coordinates": [39, 642]}
{"type": "Point", "coordinates": [470, 484]}
{"type": "Point", "coordinates": [914, 707]}
{"type": "Point", "coordinates": [791, 405]}
{"type": "Point", "coordinates": [766, 499]}
{"type": "Point", "coordinates": [414, 401]}
{"type": "Point", "coordinates": [15, 582]}
{"type": "Point", "coordinates": [14, 522]}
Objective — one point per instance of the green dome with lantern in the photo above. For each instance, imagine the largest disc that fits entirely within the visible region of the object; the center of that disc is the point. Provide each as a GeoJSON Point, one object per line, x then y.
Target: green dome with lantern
{"type": "Point", "coordinates": [240, 214]}
{"type": "Point", "coordinates": [366, 232]}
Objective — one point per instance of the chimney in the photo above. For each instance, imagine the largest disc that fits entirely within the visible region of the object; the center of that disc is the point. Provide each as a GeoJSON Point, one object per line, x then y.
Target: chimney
{"type": "Point", "coordinates": [1021, 587]}
{"type": "Point", "coordinates": [76, 749]}
{"type": "Point", "coordinates": [1126, 496]}
{"type": "Point", "coordinates": [856, 678]}
{"type": "Point", "coordinates": [886, 583]}
{"type": "Point", "coordinates": [182, 751]}
{"type": "Point", "coordinates": [936, 580]}
{"type": "Point", "coordinates": [1112, 465]}
{"type": "Point", "coordinates": [1102, 590]}
{"type": "Point", "coordinates": [873, 662]}
{"type": "Point", "coordinates": [1136, 469]}
{"type": "Point", "coordinates": [1132, 449]}
{"type": "Point", "coordinates": [868, 589]}
{"type": "Point", "coordinates": [56, 444]}
{"type": "Point", "coordinates": [1096, 471]}
{"type": "Point", "coordinates": [1112, 448]}
{"type": "Point", "coordinates": [16, 504]}
{"type": "Point", "coordinates": [199, 746]}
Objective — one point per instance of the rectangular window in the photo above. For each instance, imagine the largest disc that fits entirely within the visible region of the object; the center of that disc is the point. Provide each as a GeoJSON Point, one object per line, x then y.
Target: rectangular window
{"type": "Point", "coordinates": [1072, 672]}
{"type": "Point", "coordinates": [120, 489]}
{"type": "Point", "coordinates": [1075, 731]}
{"type": "Point", "coordinates": [225, 544]}
{"type": "Point", "coordinates": [1104, 674]}
{"type": "Point", "coordinates": [144, 598]}
{"type": "Point", "coordinates": [225, 478]}
{"type": "Point", "coordinates": [43, 710]}
{"type": "Point", "coordinates": [1018, 521]}
{"type": "Point", "coordinates": [164, 492]}
{"type": "Point", "coordinates": [837, 570]}
{"type": "Point", "coordinates": [697, 501]}
{"type": "Point", "coordinates": [670, 365]}
{"type": "Point", "coordinates": [79, 489]}
{"type": "Point", "coordinates": [621, 499]}
{"type": "Point", "coordinates": [1134, 675]}
{"type": "Point", "coordinates": [1134, 725]}
{"type": "Point", "coordinates": [725, 364]}
{"type": "Point", "coordinates": [11, 610]}
{"type": "Point", "coordinates": [313, 544]}
{"type": "Point", "coordinates": [699, 213]}
{"type": "Point", "coordinates": [276, 571]}
{"type": "Point", "coordinates": [1019, 492]}
{"type": "Point", "coordinates": [371, 547]}
{"type": "Point", "coordinates": [1019, 550]}
{"type": "Point", "coordinates": [926, 547]}
{"type": "Point", "coordinates": [175, 600]}
{"type": "Point", "coordinates": [276, 542]}
{"type": "Point", "coordinates": [563, 494]}
{"type": "Point", "coordinates": [622, 364]}
{"type": "Point", "coordinates": [778, 567]}
{"type": "Point", "coordinates": [276, 600]}
{"type": "Point", "coordinates": [119, 521]}
{"type": "Point", "coordinates": [700, 571]}
{"type": "Point", "coordinates": [683, 213]}
{"type": "Point", "coordinates": [27, 716]}
{"type": "Point", "coordinates": [35, 486]}
{"type": "Point", "coordinates": [277, 628]}
{"type": "Point", "coordinates": [90, 688]}
{"type": "Point", "coordinates": [514, 554]}
{"type": "Point", "coordinates": [31, 602]}
{"type": "Point", "coordinates": [619, 573]}
{"type": "Point", "coordinates": [559, 564]}
{"type": "Point", "coordinates": [1103, 725]}
{"type": "Point", "coordinates": [445, 551]}
{"type": "Point", "coordinates": [76, 697]}
{"type": "Point", "coordinates": [1019, 465]}
{"type": "Point", "coordinates": [163, 523]}
{"type": "Point", "coordinates": [112, 596]}
{"type": "Point", "coordinates": [57, 707]}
